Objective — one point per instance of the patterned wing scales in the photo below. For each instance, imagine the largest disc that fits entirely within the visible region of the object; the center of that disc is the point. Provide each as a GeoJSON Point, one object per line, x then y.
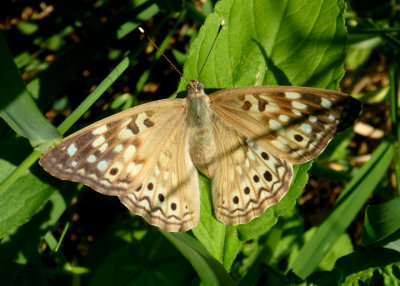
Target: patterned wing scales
{"type": "Point", "coordinates": [140, 155]}
{"type": "Point", "coordinates": [169, 197]}
{"type": "Point", "coordinates": [294, 124]}
{"type": "Point", "coordinates": [114, 154]}
{"type": "Point", "coordinates": [248, 179]}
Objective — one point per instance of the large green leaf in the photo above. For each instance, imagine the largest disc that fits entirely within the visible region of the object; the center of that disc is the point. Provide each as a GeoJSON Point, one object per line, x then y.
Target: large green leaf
{"type": "Point", "coordinates": [264, 43]}
{"type": "Point", "coordinates": [270, 43]}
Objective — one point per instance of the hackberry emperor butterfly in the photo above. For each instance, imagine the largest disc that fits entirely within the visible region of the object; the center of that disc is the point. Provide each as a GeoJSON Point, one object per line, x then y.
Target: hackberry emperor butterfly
{"type": "Point", "coordinates": [245, 139]}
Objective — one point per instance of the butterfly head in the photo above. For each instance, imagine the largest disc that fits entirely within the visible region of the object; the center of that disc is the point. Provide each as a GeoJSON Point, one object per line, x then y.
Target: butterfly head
{"type": "Point", "coordinates": [195, 89]}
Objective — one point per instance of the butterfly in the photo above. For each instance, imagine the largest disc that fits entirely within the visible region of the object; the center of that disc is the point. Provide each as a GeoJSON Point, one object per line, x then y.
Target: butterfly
{"type": "Point", "coordinates": [244, 139]}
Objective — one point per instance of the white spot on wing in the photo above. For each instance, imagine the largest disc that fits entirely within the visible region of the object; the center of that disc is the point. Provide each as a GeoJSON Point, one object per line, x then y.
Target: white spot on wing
{"type": "Point", "coordinates": [91, 158]}
{"type": "Point", "coordinates": [294, 95]}
{"type": "Point", "coordinates": [299, 105]}
{"type": "Point", "coordinates": [71, 149]}
{"type": "Point", "coordinates": [331, 117]}
{"type": "Point", "coordinates": [251, 156]}
{"type": "Point", "coordinates": [312, 118]}
{"type": "Point", "coordinates": [296, 112]}
{"type": "Point", "coordinates": [272, 107]}
{"type": "Point", "coordinates": [326, 103]}
{"type": "Point", "coordinates": [103, 148]}
{"type": "Point", "coordinates": [139, 121]}
{"type": "Point", "coordinates": [118, 148]}
{"type": "Point", "coordinates": [102, 165]}
{"type": "Point", "coordinates": [306, 127]}
{"type": "Point", "coordinates": [250, 142]}
{"type": "Point", "coordinates": [74, 163]}
{"type": "Point", "coordinates": [275, 124]}
{"type": "Point", "coordinates": [283, 118]}
{"type": "Point", "coordinates": [125, 134]}
{"type": "Point", "coordinates": [100, 130]}
{"type": "Point", "coordinates": [99, 141]}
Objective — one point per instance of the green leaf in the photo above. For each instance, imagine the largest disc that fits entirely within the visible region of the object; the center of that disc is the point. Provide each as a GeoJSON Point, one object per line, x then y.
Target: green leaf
{"type": "Point", "coordinates": [270, 248]}
{"type": "Point", "coordinates": [270, 43]}
{"type": "Point", "coordinates": [20, 201]}
{"type": "Point", "coordinates": [371, 267]}
{"type": "Point", "coordinates": [344, 211]}
{"type": "Point", "coordinates": [264, 43]}
{"type": "Point", "coordinates": [17, 250]}
{"type": "Point", "coordinates": [150, 261]}
{"type": "Point", "coordinates": [360, 50]}
{"type": "Point", "coordinates": [380, 221]}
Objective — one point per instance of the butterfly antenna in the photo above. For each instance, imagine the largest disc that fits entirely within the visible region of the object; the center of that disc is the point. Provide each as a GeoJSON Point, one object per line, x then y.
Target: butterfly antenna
{"type": "Point", "coordinates": [212, 46]}
{"type": "Point", "coordinates": [165, 57]}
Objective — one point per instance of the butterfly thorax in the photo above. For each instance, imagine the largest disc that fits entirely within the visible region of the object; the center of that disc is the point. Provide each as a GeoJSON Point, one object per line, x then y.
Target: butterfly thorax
{"type": "Point", "coordinates": [201, 136]}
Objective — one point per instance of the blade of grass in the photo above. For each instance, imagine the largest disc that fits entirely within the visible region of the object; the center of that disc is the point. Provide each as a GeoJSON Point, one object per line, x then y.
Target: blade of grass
{"type": "Point", "coordinates": [394, 88]}
{"type": "Point", "coordinates": [17, 107]}
{"type": "Point", "coordinates": [48, 83]}
{"type": "Point", "coordinates": [94, 96]}
{"type": "Point", "coordinates": [344, 211]}
{"type": "Point", "coordinates": [69, 121]}
{"type": "Point", "coordinates": [210, 271]}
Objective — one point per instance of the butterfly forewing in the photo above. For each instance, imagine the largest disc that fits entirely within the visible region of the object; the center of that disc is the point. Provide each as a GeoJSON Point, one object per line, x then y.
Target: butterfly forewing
{"type": "Point", "coordinates": [294, 124]}
{"type": "Point", "coordinates": [114, 155]}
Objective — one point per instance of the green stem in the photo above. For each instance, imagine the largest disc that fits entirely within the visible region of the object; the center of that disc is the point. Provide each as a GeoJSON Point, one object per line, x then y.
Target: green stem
{"type": "Point", "coordinates": [9, 180]}
{"type": "Point", "coordinates": [94, 96]}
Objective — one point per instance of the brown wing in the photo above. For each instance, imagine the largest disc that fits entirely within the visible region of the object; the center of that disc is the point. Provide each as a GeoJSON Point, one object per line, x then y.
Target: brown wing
{"type": "Point", "coordinates": [292, 123]}
{"type": "Point", "coordinates": [142, 156]}
{"type": "Point", "coordinates": [114, 154]}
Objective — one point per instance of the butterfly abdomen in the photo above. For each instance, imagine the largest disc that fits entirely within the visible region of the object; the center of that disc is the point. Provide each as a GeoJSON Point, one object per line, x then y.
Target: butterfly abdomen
{"type": "Point", "coordinates": [201, 136]}
{"type": "Point", "coordinates": [202, 150]}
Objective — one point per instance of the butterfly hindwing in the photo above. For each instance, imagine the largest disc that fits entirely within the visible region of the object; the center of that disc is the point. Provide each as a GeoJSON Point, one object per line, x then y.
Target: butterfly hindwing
{"type": "Point", "coordinates": [248, 179]}
{"type": "Point", "coordinates": [295, 124]}
{"type": "Point", "coordinates": [169, 196]}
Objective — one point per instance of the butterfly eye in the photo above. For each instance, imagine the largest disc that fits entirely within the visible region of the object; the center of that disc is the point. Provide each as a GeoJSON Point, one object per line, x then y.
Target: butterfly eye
{"type": "Point", "coordinates": [199, 87]}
